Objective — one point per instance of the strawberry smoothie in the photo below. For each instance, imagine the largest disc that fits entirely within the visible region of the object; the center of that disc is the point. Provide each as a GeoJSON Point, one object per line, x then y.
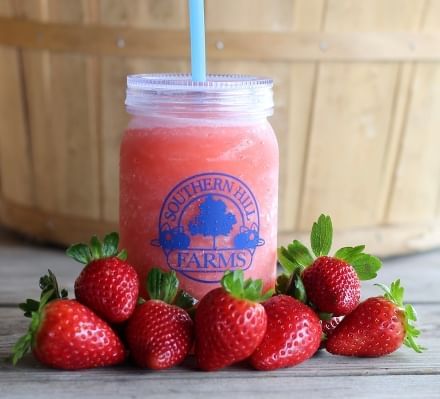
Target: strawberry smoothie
{"type": "Point", "coordinates": [199, 186]}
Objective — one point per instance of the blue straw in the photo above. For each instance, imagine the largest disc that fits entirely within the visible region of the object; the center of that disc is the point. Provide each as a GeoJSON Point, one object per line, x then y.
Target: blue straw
{"type": "Point", "coordinates": [197, 31]}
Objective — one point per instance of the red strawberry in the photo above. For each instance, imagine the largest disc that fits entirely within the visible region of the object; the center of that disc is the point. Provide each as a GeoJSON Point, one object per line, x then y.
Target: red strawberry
{"type": "Point", "coordinates": [377, 327]}
{"type": "Point", "coordinates": [331, 283]}
{"type": "Point", "coordinates": [65, 334]}
{"type": "Point", "coordinates": [230, 323]}
{"type": "Point", "coordinates": [293, 334]}
{"type": "Point", "coordinates": [108, 284]}
{"type": "Point", "coordinates": [159, 334]}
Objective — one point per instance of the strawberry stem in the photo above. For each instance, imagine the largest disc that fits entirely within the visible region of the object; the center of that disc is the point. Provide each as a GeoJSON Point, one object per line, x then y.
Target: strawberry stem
{"type": "Point", "coordinates": [234, 283]}
{"type": "Point", "coordinates": [97, 249]}
{"type": "Point", "coordinates": [162, 285]}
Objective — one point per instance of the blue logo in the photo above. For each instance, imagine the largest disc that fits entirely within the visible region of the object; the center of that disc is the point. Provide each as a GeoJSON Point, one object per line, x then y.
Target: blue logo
{"type": "Point", "coordinates": [209, 223]}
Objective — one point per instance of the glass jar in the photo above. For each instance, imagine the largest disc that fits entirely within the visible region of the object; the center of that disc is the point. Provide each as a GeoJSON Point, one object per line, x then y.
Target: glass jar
{"type": "Point", "coordinates": [199, 178]}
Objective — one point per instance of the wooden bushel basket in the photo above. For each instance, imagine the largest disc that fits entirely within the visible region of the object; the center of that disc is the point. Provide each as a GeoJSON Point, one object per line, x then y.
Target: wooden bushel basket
{"type": "Point", "coordinates": [357, 91]}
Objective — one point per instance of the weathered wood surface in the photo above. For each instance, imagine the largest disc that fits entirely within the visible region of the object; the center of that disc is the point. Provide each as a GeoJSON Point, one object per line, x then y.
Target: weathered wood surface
{"type": "Point", "coordinates": [403, 374]}
{"type": "Point", "coordinates": [21, 266]}
{"type": "Point", "coordinates": [403, 362]}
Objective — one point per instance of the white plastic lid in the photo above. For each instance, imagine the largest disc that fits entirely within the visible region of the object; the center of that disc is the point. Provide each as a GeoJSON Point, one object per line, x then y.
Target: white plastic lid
{"type": "Point", "coordinates": [219, 96]}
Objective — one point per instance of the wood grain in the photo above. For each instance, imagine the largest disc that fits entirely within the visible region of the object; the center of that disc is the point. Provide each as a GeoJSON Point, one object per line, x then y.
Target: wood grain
{"type": "Point", "coordinates": [402, 362]}
{"type": "Point", "coordinates": [416, 189]}
{"type": "Point", "coordinates": [49, 226]}
{"type": "Point", "coordinates": [355, 107]}
{"type": "Point", "coordinates": [308, 16]}
{"type": "Point", "coordinates": [73, 386]}
{"type": "Point", "coordinates": [22, 265]}
{"type": "Point", "coordinates": [350, 132]}
{"type": "Point", "coordinates": [324, 372]}
{"type": "Point", "coordinates": [165, 43]}
{"type": "Point", "coordinates": [403, 374]}
{"type": "Point", "coordinates": [15, 177]}
{"type": "Point", "coordinates": [64, 135]}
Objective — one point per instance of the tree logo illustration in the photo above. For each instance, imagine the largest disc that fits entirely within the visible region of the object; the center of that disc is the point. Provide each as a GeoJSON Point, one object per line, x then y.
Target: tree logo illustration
{"type": "Point", "coordinates": [208, 223]}
{"type": "Point", "coordinates": [212, 220]}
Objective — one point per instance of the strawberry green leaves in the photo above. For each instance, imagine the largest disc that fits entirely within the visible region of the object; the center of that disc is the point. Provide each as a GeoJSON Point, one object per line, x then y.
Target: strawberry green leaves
{"type": "Point", "coordinates": [49, 291]}
{"type": "Point", "coordinates": [300, 253]}
{"type": "Point", "coordinates": [108, 248]}
{"type": "Point", "coordinates": [322, 236]}
{"type": "Point", "coordinates": [297, 256]}
{"type": "Point", "coordinates": [395, 295]}
{"type": "Point", "coordinates": [366, 265]}
{"type": "Point", "coordinates": [349, 253]}
{"type": "Point", "coordinates": [233, 282]}
{"type": "Point", "coordinates": [291, 285]}
{"type": "Point", "coordinates": [80, 252]}
{"type": "Point", "coordinates": [33, 309]}
{"type": "Point", "coordinates": [162, 285]}
{"type": "Point", "coordinates": [287, 260]}
{"type": "Point", "coordinates": [185, 301]}
{"type": "Point", "coordinates": [110, 245]}
{"type": "Point", "coordinates": [49, 282]}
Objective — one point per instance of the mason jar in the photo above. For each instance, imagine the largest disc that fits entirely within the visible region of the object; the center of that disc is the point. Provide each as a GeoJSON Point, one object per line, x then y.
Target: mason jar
{"type": "Point", "coordinates": [199, 178]}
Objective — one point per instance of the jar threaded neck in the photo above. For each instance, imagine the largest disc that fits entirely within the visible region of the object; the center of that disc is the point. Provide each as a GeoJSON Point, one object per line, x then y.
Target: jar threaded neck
{"type": "Point", "coordinates": [220, 96]}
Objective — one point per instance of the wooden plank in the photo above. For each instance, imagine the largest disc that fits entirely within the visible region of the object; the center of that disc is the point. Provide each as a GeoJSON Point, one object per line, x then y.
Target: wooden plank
{"type": "Point", "coordinates": [75, 116]}
{"type": "Point", "coordinates": [15, 156]}
{"type": "Point", "coordinates": [344, 165]}
{"type": "Point", "coordinates": [73, 138]}
{"type": "Point", "coordinates": [21, 266]}
{"type": "Point", "coordinates": [151, 14]}
{"type": "Point", "coordinates": [63, 123]}
{"type": "Point", "coordinates": [324, 373]}
{"type": "Point", "coordinates": [6, 9]}
{"type": "Point", "coordinates": [432, 25]}
{"type": "Point", "coordinates": [308, 16]}
{"type": "Point", "coordinates": [15, 161]}
{"type": "Point", "coordinates": [246, 15]}
{"type": "Point", "coordinates": [404, 361]}
{"type": "Point", "coordinates": [416, 186]}
{"type": "Point", "coordinates": [399, 115]}
{"type": "Point", "coordinates": [50, 226]}
{"type": "Point", "coordinates": [279, 46]}
{"type": "Point", "coordinates": [416, 189]}
{"type": "Point", "coordinates": [347, 166]}
{"type": "Point", "coordinates": [114, 387]}
{"type": "Point", "coordinates": [301, 89]}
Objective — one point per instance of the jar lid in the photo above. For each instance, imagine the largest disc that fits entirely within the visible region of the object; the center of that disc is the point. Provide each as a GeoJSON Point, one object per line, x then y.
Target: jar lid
{"type": "Point", "coordinates": [217, 97]}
